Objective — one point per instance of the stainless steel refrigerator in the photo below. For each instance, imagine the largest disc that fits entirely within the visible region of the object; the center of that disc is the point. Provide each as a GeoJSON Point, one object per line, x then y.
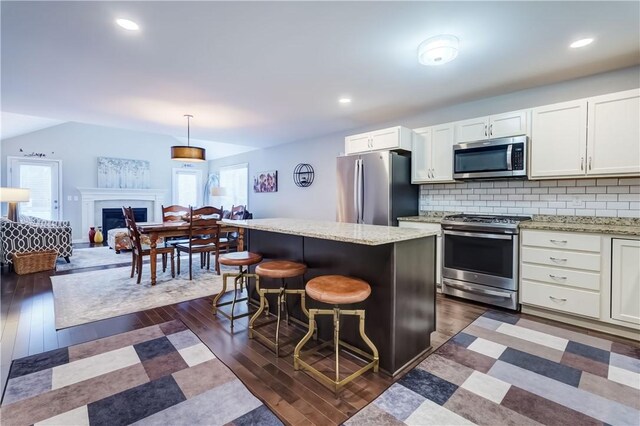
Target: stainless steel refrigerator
{"type": "Point", "coordinates": [375, 188]}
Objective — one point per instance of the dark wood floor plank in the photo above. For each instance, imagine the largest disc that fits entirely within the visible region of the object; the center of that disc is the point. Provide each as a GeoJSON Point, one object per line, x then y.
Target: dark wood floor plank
{"type": "Point", "coordinates": [28, 317]}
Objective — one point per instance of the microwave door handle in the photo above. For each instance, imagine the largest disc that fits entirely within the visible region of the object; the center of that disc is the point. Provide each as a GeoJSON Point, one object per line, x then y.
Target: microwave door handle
{"type": "Point", "coordinates": [509, 154]}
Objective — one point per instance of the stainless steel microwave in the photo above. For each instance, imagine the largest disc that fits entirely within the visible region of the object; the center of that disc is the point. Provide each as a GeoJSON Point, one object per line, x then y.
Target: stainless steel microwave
{"type": "Point", "coordinates": [493, 158]}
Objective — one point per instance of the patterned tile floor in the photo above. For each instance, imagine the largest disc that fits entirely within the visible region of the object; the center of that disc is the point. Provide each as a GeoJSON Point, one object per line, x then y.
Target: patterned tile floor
{"type": "Point", "coordinates": [507, 370]}
{"type": "Point", "coordinates": [161, 374]}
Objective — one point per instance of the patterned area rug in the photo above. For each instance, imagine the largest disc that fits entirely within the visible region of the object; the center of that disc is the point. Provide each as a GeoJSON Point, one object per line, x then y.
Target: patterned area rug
{"type": "Point", "coordinates": [91, 257]}
{"type": "Point", "coordinates": [506, 370]}
{"type": "Point", "coordinates": [161, 375]}
{"type": "Point", "coordinates": [85, 297]}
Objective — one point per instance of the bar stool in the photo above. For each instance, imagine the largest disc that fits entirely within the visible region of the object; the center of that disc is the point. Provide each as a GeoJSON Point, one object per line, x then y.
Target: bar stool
{"type": "Point", "coordinates": [281, 269]}
{"type": "Point", "coordinates": [337, 290]}
{"type": "Point", "coordinates": [242, 260]}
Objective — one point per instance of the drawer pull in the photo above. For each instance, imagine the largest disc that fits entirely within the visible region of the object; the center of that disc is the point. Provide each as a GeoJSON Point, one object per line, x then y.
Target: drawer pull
{"type": "Point", "coordinates": [557, 299]}
{"type": "Point", "coordinates": [555, 277]}
{"type": "Point", "coordinates": [557, 259]}
{"type": "Point", "coordinates": [559, 241]}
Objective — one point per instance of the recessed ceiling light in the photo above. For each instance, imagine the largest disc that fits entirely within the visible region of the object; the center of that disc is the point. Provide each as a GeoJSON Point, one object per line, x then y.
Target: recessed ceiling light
{"type": "Point", "coordinates": [344, 100]}
{"type": "Point", "coordinates": [581, 43]}
{"type": "Point", "coordinates": [438, 50]}
{"type": "Point", "coordinates": [127, 24]}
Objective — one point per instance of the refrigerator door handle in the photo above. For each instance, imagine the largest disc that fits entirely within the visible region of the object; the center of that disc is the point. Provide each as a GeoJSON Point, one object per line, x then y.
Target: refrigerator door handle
{"type": "Point", "coordinates": [361, 192]}
{"type": "Point", "coordinates": [356, 178]}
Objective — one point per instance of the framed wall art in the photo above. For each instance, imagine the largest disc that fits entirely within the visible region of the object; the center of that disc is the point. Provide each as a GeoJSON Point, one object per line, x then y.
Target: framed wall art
{"type": "Point", "coordinates": [123, 173]}
{"type": "Point", "coordinates": [266, 181]}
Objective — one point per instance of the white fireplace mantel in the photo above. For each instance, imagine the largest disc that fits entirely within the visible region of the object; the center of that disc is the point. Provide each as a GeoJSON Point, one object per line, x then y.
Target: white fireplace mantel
{"type": "Point", "coordinates": [89, 197]}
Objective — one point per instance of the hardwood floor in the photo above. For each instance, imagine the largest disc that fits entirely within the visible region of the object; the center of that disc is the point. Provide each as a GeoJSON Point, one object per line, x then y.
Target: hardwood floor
{"type": "Point", "coordinates": [27, 326]}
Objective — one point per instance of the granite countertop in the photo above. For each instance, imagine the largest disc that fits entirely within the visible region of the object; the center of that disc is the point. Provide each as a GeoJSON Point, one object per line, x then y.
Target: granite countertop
{"type": "Point", "coordinates": [594, 225]}
{"type": "Point", "coordinates": [371, 235]}
{"type": "Point", "coordinates": [431, 217]}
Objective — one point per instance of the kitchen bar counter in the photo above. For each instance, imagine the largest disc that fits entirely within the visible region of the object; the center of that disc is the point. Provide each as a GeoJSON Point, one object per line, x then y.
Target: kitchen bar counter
{"type": "Point", "coordinates": [371, 235]}
{"type": "Point", "coordinates": [399, 264]}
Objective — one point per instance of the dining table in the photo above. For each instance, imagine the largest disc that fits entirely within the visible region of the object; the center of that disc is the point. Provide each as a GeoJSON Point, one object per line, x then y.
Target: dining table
{"type": "Point", "coordinates": [177, 229]}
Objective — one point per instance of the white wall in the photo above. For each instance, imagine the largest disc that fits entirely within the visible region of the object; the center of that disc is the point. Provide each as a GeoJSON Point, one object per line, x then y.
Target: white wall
{"type": "Point", "coordinates": [79, 145]}
{"type": "Point", "coordinates": [316, 201]}
{"type": "Point", "coordinates": [319, 200]}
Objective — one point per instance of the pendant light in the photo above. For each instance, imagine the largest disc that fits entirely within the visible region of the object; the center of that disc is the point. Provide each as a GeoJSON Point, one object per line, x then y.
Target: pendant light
{"type": "Point", "coordinates": [188, 153]}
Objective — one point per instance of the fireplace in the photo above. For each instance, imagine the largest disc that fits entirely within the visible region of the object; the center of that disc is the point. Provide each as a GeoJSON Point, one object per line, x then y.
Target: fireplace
{"type": "Point", "coordinates": [113, 218]}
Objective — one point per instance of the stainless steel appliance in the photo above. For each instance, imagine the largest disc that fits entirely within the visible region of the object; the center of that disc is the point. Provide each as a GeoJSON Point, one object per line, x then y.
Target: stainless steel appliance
{"type": "Point", "coordinates": [375, 188]}
{"type": "Point", "coordinates": [494, 158]}
{"type": "Point", "coordinates": [480, 258]}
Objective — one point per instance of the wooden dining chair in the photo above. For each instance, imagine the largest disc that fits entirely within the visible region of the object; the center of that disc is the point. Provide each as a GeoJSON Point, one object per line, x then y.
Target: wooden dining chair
{"type": "Point", "coordinates": [174, 213]}
{"type": "Point", "coordinates": [204, 237]}
{"type": "Point", "coordinates": [138, 252]}
{"type": "Point", "coordinates": [236, 213]}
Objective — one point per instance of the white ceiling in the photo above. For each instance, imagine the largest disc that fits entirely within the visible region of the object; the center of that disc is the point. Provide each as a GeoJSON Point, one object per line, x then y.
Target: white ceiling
{"type": "Point", "coordinates": [266, 73]}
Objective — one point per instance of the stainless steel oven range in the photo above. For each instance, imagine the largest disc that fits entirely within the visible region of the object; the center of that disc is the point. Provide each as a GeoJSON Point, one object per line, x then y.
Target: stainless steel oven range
{"type": "Point", "coordinates": [480, 258]}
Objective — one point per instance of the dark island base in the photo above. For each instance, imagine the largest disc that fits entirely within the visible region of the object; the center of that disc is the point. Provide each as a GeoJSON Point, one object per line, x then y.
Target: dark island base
{"type": "Point", "coordinates": [400, 313]}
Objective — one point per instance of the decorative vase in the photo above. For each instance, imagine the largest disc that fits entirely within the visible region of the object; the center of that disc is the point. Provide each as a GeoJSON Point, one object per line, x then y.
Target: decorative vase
{"type": "Point", "coordinates": [92, 234]}
{"type": "Point", "coordinates": [98, 238]}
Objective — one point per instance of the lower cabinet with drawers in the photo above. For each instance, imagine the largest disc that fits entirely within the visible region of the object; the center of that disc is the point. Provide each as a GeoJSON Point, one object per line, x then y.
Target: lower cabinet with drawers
{"type": "Point", "coordinates": [588, 277]}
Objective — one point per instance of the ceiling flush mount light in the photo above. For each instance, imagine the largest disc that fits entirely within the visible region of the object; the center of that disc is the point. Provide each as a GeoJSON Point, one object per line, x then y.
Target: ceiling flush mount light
{"type": "Point", "coordinates": [438, 50]}
{"type": "Point", "coordinates": [581, 43]}
{"type": "Point", "coordinates": [127, 24]}
{"type": "Point", "coordinates": [344, 100]}
{"type": "Point", "coordinates": [188, 153]}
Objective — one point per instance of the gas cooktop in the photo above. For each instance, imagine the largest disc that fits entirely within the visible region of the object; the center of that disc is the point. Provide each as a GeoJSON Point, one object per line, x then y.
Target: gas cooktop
{"type": "Point", "coordinates": [470, 221]}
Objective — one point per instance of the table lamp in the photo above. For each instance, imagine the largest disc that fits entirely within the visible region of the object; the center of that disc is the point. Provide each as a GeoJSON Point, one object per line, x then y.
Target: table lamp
{"type": "Point", "coordinates": [13, 196]}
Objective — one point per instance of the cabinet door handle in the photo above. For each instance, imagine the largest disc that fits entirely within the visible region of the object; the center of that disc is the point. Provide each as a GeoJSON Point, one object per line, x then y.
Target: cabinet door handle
{"type": "Point", "coordinates": [431, 173]}
{"type": "Point", "coordinates": [559, 241]}
{"type": "Point", "coordinates": [557, 259]}
{"type": "Point", "coordinates": [557, 299]}
{"type": "Point", "coordinates": [582, 163]}
{"type": "Point", "coordinates": [555, 277]}
{"type": "Point", "coordinates": [485, 130]}
{"type": "Point", "coordinates": [491, 130]}
{"type": "Point", "coordinates": [589, 163]}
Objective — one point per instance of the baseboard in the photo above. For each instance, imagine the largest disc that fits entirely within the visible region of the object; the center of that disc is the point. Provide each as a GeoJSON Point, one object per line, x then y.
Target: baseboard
{"type": "Point", "coordinates": [627, 333]}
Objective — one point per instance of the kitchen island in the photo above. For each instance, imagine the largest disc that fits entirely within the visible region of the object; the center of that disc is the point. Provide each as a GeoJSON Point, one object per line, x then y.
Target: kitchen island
{"type": "Point", "coordinates": [398, 263]}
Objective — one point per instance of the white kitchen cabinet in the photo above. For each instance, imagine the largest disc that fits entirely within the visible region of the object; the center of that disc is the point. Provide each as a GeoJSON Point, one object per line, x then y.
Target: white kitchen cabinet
{"type": "Point", "coordinates": [493, 126]}
{"type": "Point", "coordinates": [597, 136]}
{"type": "Point", "coordinates": [625, 280]}
{"type": "Point", "coordinates": [392, 138]}
{"type": "Point", "coordinates": [613, 136]}
{"type": "Point", "coordinates": [432, 155]}
{"type": "Point", "coordinates": [559, 140]}
{"type": "Point", "coordinates": [430, 227]}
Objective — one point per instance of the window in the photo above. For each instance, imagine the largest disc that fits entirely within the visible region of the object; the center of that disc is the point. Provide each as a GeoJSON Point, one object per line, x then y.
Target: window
{"type": "Point", "coordinates": [187, 187]}
{"type": "Point", "coordinates": [235, 180]}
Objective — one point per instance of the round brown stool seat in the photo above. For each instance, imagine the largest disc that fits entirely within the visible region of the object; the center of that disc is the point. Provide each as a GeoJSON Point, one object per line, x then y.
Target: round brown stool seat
{"type": "Point", "coordinates": [241, 258]}
{"type": "Point", "coordinates": [281, 269]}
{"type": "Point", "coordinates": [338, 289]}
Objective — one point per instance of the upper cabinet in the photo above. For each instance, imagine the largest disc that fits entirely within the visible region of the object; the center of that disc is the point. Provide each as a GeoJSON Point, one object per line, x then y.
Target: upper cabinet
{"type": "Point", "coordinates": [432, 154]}
{"type": "Point", "coordinates": [613, 135]}
{"type": "Point", "coordinates": [559, 139]}
{"type": "Point", "coordinates": [392, 138]}
{"type": "Point", "coordinates": [597, 136]}
{"type": "Point", "coordinates": [492, 126]}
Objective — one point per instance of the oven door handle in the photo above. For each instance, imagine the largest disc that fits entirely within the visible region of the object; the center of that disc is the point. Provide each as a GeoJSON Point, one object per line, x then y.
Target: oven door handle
{"type": "Point", "coordinates": [478, 291]}
{"type": "Point", "coordinates": [478, 235]}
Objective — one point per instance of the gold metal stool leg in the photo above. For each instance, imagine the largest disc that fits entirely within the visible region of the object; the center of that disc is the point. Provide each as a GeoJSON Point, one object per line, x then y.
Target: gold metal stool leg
{"type": "Point", "coordinates": [337, 384]}
{"type": "Point", "coordinates": [239, 278]}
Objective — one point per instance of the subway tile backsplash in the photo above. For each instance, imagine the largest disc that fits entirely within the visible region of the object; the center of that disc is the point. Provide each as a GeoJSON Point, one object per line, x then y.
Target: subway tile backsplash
{"type": "Point", "coordinates": [583, 197]}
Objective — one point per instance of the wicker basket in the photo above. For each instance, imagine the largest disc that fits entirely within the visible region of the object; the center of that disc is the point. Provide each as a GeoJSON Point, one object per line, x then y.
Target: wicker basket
{"type": "Point", "coordinates": [34, 261]}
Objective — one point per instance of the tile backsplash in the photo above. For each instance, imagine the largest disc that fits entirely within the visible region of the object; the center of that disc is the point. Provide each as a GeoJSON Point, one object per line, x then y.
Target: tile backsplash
{"type": "Point", "coordinates": [610, 197]}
